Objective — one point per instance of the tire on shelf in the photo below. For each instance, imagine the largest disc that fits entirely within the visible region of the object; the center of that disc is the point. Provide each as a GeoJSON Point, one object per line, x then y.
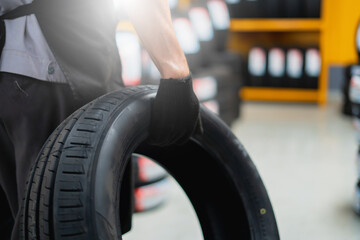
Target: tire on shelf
{"type": "Point", "coordinates": [75, 190]}
{"type": "Point", "coordinates": [312, 67]}
{"type": "Point", "coordinates": [346, 102]}
{"type": "Point", "coordinates": [228, 83]}
{"type": "Point", "coordinates": [188, 39]}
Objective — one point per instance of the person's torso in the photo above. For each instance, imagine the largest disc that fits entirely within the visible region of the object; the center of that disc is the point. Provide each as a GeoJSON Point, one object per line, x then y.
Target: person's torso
{"type": "Point", "coordinates": [26, 51]}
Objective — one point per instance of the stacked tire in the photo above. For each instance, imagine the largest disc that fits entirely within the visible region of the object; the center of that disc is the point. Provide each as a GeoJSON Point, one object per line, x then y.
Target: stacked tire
{"type": "Point", "coordinates": [351, 70]}
{"type": "Point", "coordinates": [351, 107]}
{"type": "Point", "coordinates": [202, 31]}
{"type": "Point", "coordinates": [274, 8]}
{"type": "Point", "coordinates": [151, 184]}
{"type": "Point", "coordinates": [283, 67]}
{"type": "Point", "coordinates": [354, 98]}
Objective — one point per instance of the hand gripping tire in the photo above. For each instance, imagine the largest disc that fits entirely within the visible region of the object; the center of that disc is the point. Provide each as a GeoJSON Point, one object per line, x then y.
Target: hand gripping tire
{"type": "Point", "coordinates": [74, 190]}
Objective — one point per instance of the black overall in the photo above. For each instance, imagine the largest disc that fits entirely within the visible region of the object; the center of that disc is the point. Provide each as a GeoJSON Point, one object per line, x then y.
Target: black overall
{"type": "Point", "coordinates": [81, 35]}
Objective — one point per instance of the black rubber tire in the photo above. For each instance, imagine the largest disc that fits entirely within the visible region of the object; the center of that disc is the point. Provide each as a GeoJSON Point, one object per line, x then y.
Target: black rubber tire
{"type": "Point", "coordinates": [74, 191]}
{"type": "Point", "coordinates": [6, 217]}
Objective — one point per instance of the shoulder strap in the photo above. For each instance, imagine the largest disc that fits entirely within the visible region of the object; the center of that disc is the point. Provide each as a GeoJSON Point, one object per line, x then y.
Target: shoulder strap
{"type": "Point", "coordinates": [20, 11]}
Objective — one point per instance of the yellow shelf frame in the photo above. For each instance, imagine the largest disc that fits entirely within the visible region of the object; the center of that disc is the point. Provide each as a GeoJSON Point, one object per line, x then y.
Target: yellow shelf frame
{"type": "Point", "coordinates": [336, 29]}
{"type": "Point", "coordinates": [279, 94]}
{"type": "Point", "coordinates": [275, 25]}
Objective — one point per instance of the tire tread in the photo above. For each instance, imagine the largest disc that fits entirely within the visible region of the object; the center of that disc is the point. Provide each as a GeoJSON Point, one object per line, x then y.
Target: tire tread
{"type": "Point", "coordinates": [62, 167]}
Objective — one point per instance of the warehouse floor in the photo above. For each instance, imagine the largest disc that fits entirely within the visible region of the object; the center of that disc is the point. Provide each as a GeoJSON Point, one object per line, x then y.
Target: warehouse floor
{"type": "Point", "coordinates": [305, 154]}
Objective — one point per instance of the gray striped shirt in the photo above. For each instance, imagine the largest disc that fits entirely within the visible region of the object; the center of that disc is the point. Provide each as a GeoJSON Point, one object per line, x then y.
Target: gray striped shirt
{"type": "Point", "coordinates": [26, 51]}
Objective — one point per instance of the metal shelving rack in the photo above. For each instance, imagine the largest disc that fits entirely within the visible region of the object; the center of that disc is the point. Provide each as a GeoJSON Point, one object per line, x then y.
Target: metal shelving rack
{"type": "Point", "coordinates": [334, 33]}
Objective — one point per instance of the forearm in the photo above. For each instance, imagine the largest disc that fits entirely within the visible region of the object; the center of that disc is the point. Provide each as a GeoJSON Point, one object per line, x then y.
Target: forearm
{"type": "Point", "coordinates": [152, 22]}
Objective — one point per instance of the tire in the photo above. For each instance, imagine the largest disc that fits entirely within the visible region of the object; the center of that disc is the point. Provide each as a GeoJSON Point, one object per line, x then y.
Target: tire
{"type": "Point", "coordinates": [76, 188]}
{"type": "Point", "coordinates": [6, 217]}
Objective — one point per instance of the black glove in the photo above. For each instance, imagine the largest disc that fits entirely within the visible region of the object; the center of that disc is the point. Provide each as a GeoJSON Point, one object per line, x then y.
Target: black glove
{"type": "Point", "coordinates": [175, 113]}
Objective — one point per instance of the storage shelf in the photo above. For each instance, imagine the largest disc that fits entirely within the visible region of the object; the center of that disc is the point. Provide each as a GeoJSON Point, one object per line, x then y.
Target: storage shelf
{"type": "Point", "coordinates": [276, 25]}
{"type": "Point", "coordinates": [279, 94]}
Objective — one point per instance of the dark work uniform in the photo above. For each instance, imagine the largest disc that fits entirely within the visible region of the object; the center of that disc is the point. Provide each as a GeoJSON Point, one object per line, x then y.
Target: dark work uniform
{"type": "Point", "coordinates": [81, 36]}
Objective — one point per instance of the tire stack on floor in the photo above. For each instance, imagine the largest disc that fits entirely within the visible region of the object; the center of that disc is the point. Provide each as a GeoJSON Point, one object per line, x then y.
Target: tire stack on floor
{"type": "Point", "coordinates": [218, 63]}
{"type": "Point", "coordinates": [351, 107]}
{"type": "Point", "coordinates": [354, 97]}
{"type": "Point", "coordinates": [349, 72]}
{"type": "Point", "coordinates": [151, 184]}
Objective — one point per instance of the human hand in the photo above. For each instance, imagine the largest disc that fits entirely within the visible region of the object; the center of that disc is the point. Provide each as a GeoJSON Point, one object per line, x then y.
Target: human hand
{"type": "Point", "coordinates": [175, 113]}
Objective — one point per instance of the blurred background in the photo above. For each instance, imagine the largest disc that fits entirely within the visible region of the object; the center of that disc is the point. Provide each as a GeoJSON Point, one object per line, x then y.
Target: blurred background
{"type": "Point", "coordinates": [284, 76]}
